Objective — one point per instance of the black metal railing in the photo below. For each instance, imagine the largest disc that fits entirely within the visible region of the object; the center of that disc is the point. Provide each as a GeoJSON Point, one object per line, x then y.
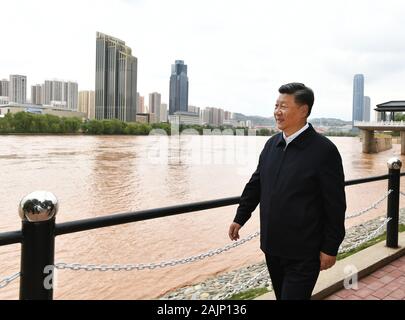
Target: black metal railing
{"type": "Point", "coordinates": [38, 238]}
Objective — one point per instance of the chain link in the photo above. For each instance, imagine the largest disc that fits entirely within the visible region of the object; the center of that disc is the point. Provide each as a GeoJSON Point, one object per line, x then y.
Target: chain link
{"type": "Point", "coordinates": [371, 236]}
{"type": "Point", "coordinates": [373, 206]}
{"type": "Point", "coordinates": [6, 281]}
{"type": "Point", "coordinates": [151, 266]}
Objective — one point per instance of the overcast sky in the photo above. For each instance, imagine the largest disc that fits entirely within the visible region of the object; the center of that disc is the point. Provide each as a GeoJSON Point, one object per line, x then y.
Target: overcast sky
{"type": "Point", "coordinates": [238, 52]}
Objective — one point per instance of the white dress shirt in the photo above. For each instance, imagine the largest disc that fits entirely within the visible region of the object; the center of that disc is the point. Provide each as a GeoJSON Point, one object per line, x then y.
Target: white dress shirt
{"type": "Point", "coordinates": [294, 135]}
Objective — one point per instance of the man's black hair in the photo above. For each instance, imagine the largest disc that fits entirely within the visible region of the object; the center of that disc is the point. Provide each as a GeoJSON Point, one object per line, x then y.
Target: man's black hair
{"type": "Point", "coordinates": [302, 94]}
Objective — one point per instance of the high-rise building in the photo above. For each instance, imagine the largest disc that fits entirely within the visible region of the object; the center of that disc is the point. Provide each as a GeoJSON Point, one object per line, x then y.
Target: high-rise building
{"type": "Point", "coordinates": [71, 95]}
{"type": "Point", "coordinates": [205, 116]}
{"type": "Point", "coordinates": [213, 116]}
{"type": "Point", "coordinates": [4, 84]}
{"type": "Point", "coordinates": [163, 112]}
{"type": "Point", "coordinates": [17, 88]}
{"type": "Point", "coordinates": [36, 94]}
{"type": "Point", "coordinates": [154, 104]}
{"type": "Point", "coordinates": [64, 94]}
{"type": "Point", "coordinates": [87, 103]}
{"type": "Point", "coordinates": [194, 109]}
{"type": "Point", "coordinates": [116, 79]}
{"type": "Point", "coordinates": [178, 99]}
{"type": "Point", "coordinates": [358, 98]}
{"type": "Point", "coordinates": [141, 104]}
{"type": "Point", "coordinates": [366, 108]}
{"type": "Point", "coordinates": [47, 92]}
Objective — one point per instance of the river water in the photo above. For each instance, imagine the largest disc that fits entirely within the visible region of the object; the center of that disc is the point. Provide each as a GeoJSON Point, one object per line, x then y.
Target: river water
{"type": "Point", "coordinates": [100, 175]}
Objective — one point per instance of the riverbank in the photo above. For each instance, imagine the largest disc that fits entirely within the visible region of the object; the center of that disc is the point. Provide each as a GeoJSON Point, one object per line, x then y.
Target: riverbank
{"type": "Point", "coordinates": [220, 286]}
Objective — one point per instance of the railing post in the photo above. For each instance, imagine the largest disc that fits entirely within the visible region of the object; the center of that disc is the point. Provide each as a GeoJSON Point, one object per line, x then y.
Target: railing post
{"type": "Point", "coordinates": [37, 211]}
{"type": "Point", "coordinates": [394, 168]}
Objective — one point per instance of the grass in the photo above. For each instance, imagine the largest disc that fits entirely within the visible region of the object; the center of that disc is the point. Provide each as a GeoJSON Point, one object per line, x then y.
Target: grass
{"type": "Point", "coordinates": [253, 293]}
{"type": "Point", "coordinates": [249, 294]}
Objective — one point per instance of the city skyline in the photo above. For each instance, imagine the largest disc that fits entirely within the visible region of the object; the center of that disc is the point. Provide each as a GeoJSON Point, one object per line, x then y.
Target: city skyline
{"type": "Point", "coordinates": [238, 66]}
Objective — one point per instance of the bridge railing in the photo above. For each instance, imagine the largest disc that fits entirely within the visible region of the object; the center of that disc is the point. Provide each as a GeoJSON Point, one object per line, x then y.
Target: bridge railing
{"type": "Point", "coordinates": [379, 123]}
{"type": "Point", "coordinates": [37, 236]}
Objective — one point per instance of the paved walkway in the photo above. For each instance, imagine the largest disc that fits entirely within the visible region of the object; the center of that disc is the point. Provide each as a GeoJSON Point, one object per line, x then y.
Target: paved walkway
{"type": "Point", "coordinates": [387, 283]}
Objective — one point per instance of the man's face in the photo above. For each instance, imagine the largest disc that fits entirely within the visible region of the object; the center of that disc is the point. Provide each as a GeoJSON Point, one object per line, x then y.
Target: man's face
{"type": "Point", "coordinates": [287, 113]}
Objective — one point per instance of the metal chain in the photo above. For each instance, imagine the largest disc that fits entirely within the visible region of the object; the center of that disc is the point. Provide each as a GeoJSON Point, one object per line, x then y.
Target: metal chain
{"type": "Point", "coordinates": [244, 286]}
{"type": "Point", "coordinates": [172, 263]}
{"type": "Point", "coordinates": [356, 245]}
{"type": "Point", "coordinates": [6, 281]}
{"type": "Point", "coordinates": [151, 266]}
{"type": "Point", "coordinates": [373, 206]}
{"type": "Point", "coordinates": [371, 236]}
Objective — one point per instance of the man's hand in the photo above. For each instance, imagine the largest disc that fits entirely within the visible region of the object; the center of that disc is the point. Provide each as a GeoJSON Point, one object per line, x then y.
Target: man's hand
{"type": "Point", "coordinates": [234, 231]}
{"type": "Point", "coordinates": [327, 261]}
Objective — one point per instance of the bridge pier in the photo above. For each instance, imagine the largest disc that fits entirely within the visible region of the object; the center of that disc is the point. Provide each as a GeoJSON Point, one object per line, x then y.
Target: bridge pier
{"type": "Point", "coordinates": [369, 143]}
{"type": "Point", "coordinates": [402, 142]}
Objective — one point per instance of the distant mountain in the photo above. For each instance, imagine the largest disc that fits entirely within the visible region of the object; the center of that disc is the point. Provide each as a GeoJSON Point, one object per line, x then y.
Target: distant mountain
{"type": "Point", "coordinates": [256, 120]}
{"type": "Point", "coordinates": [329, 122]}
{"type": "Point", "coordinates": [269, 121]}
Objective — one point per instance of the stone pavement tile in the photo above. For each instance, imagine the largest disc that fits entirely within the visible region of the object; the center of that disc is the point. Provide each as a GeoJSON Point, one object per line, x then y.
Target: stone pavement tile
{"type": "Point", "coordinates": [396, 274]}
{"type": "Point", "coordinates": [379, 274]}
{"type": "Point", "coordinates": [369, 279]}
{"type": "Point", "coordinates": [360, 285]}
{"type": "Point", "coordinates": [376, 285]}
{"type": "Point", "coordinates": [381, 293]}
{"type": "Point", "coordinates": [401, 280]}
{"type": "Point", "coordinates": [389, 298]}
{"type": "Point", "coordinates": [388, 268]}
{"type": "Point", "coordinates": [344, 293]}
{"type": "Point", "coordinates": [363, 293]}
{"type": "Point", "coordinates": [397, 263]}
{"type": "Point", "coordinates": [402, 268]}
{"type": "Point", "coordinates": [352, 297]}
{"type": "Point", "coordinates": [333, 297]}
{"type": "Point", "coordinates": [392, 286]}
{"type": "Point", "coordinates": [386, 279]}
{"type": "Point", "coordinates": [371, 298]}
{"type": "Point", "coordinates": [398, 294]}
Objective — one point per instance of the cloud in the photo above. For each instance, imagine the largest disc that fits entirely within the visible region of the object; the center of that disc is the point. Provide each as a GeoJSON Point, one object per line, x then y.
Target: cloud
{"type": "Point", "coordinates": [238, 52]}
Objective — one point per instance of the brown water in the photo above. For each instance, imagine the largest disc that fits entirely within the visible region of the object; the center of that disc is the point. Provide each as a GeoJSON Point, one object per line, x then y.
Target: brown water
{"type": "Point", "coordinates": [99, 175]}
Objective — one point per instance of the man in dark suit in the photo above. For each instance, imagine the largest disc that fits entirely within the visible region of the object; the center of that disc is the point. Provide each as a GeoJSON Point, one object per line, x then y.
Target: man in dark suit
{"type": "Point", "coordinates": [299, 183]}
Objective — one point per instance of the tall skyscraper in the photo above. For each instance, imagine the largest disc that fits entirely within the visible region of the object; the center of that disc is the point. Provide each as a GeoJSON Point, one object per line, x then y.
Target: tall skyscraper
{"type": "Point", "coordinates": [366, 110]}
{"type": "Point", "coordinates": [87, 103]}
{"type": "Point", "coordinates": [4, 88]}
{"type": "Point", "coordinates": [17, 88]}
{"type": "Point", "coordinates": [116, 79]}
{"type": "Point", "coordinates": [36, 94]}
{"type": "Point", "coordinates": [163, 112]}
{"type": "Point", "coordinates": [178, 99]}
{"type": "Point", "coordinates": [358, 98]}
{"type": "Point", "coordinates": [154, 104]}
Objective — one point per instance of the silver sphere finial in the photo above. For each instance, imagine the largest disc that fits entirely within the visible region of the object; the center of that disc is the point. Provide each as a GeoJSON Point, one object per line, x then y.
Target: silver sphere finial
{"type": "Point", "coordinates": [394, 163]}
{"type": "Point", "coordinates": [38, 206]}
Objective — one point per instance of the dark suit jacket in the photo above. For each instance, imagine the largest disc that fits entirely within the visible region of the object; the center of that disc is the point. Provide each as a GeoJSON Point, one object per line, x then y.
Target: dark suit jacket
{"type": "Point", "coordinates": [301, 193]}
